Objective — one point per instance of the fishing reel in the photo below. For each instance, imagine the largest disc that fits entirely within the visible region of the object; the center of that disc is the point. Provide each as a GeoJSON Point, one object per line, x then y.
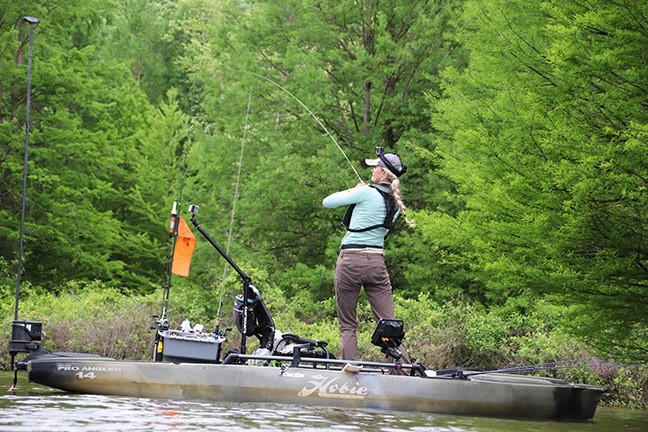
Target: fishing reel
{"type": "Point", "coordinates": [161, 323]}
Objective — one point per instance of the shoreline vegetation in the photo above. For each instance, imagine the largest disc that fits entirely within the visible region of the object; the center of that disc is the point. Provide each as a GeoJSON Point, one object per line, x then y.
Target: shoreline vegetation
{"type": "Point", "coordinates": [97, 319]}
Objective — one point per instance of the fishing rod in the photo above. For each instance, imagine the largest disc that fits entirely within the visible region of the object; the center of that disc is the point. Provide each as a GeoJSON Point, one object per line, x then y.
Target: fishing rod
{"type": "Point", "coordinates": [236, 195]}
{"type": "Point", "coordinates": [173, 234]}
{"type": "Point", "coordinates": [312, 115]}
{"type": "Point", "coordinates": [590, 363]}
{"type": "Point", "coordinates": [162, 322]}
{"type": "Point", "coordinates": [25, 335]}
{"type": "Point", "coordinates": [32, 23]}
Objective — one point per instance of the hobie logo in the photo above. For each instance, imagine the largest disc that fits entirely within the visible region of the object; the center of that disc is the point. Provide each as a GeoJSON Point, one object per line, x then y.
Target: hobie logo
{"type": "Point", "coordinates": [334, 388]}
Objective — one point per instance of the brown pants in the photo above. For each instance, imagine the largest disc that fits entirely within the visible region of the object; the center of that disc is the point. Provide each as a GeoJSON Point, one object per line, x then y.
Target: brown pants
{"type": "Point", "coordinates": [354, 270]}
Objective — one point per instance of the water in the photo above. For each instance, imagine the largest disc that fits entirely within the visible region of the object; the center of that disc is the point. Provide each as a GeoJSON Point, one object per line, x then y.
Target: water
{"type": "Point", "coordinates": [35, 408]}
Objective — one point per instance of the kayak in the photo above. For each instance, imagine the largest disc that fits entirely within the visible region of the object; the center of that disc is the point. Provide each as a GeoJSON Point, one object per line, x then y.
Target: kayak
{"type": "Point", "coordinates": [321, 382]}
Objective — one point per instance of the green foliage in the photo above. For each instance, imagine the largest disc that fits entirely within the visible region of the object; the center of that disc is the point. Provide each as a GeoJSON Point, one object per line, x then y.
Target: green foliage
{"type": "Point", "coordinates": [89, 317]}
{"type": "Point", "coordinates": [310, 283]}
{"type": "Point", "coordinates": [543, 135]}
{"type": "Point", "coordinates": [94, 208]}
{"type": "Point", "coordinates": [628, 382]}
{"type": "Point", "coordinates": [135, 36]}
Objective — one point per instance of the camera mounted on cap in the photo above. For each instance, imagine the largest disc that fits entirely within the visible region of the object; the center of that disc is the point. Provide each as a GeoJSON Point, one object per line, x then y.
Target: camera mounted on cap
{"type": "Point", "coordinates": [380, 152]}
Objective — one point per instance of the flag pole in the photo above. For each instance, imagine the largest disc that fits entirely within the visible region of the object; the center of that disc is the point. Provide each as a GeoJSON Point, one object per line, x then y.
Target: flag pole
{"type": "Point", "coordinates": [162, 322]}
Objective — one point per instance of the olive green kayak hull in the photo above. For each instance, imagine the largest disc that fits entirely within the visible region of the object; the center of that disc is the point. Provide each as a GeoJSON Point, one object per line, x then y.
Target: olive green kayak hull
{"type": "Point", "coordinates": [492, 395]}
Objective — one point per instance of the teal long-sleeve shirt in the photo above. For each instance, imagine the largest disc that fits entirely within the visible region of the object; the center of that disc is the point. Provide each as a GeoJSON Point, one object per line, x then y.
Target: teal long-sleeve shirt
{"type": "Point", "coordinates": [370, 210]}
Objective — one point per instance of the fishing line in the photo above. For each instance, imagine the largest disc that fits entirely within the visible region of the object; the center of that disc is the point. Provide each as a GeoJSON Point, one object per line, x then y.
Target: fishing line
{"type": "Point", "coordinates": [311, 113]}
{"type": "Point", "coordinates": [236, 194]}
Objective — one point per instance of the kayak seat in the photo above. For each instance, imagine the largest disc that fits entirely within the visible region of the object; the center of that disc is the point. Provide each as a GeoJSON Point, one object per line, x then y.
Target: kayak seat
{"type": "Point", "coordinates": [290, 344]}
{"type": "Point", "coordinates": [293, 338]}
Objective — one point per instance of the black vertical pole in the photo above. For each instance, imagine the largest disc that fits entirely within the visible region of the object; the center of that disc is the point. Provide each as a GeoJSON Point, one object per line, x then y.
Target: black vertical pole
{"type": "Point", "coordinates": [32, 22]}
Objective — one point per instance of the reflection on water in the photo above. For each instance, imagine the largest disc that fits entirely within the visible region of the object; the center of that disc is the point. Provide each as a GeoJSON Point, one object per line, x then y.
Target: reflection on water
{"type": "Point", "coordinates": [34, 408]}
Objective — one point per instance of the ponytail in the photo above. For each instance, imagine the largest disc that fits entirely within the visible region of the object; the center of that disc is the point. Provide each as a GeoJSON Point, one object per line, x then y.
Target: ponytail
{"type": "Point", "coordinates": [396, 193]}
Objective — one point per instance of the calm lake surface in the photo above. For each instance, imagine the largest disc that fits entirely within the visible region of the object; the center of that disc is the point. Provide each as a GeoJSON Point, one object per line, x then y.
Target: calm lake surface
{"type": "Point", "coordinates": [35, 408]}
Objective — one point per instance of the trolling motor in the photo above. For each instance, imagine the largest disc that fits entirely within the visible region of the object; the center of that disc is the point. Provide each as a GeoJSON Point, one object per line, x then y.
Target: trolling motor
{"type": "Point", "coordinates": [25, 339]}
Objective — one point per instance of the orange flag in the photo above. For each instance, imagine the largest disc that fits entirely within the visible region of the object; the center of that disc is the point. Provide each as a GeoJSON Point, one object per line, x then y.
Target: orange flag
{"type": "Point", "coordinates": [183, 251]}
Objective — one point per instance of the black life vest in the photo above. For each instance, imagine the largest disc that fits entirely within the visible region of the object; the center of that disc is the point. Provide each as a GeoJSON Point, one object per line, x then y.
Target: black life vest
{"type": "Point", "coordinates": [390, 206]}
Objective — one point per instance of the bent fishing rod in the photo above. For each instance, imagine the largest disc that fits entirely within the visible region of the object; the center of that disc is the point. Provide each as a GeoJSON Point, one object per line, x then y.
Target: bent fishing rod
{"type": "Point", "coordinates": [311, 114]}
